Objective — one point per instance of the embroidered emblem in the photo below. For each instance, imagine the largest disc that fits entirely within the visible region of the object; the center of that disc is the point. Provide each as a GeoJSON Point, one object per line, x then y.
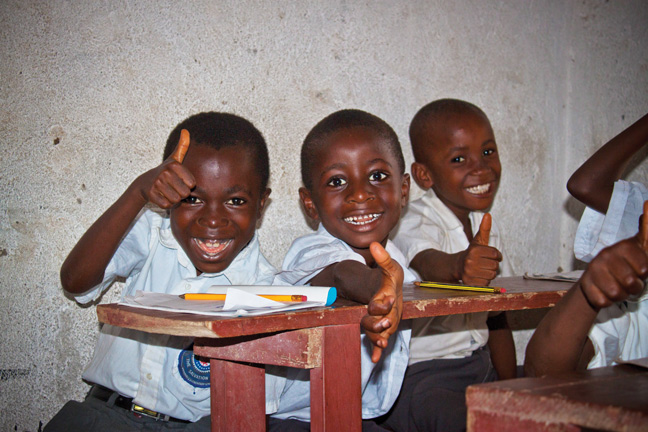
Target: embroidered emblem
{"type": "Point", "coordinates": [193, 370]}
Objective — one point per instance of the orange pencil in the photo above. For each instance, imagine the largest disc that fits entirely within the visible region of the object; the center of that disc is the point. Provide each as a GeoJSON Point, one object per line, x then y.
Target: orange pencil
{"type": "Point", "coordinates": [275, 297]}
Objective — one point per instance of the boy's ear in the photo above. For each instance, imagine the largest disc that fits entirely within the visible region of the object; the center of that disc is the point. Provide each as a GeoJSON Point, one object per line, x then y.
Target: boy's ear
{"type": "Point", "coordinates": [422, 176]}
{"type": "Point", "coordinates": [264, 198]}
{"type": "Point", "coordinates": [405, 189]}
{"type": "Point", "coordinates": [307, 202]}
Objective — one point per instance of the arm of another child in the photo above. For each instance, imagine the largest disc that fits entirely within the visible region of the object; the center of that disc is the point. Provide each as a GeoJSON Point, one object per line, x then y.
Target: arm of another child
{"type": "Point", "coordinates": [381, 288]}
{"type": "Point", "coordinates": [165, 185]}
{"type": "Point", "coordinates": [477, 265]}
{"type": "Point", "coordinates": [593, 182]}
{"type": "Point", "coordinates": [560, 342]}
{"type": "Point", "coordinates": [502, 346]}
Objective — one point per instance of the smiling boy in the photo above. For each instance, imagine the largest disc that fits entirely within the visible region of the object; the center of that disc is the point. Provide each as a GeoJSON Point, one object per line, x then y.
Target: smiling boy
{"type": "Point", "coordinates": [214, 191]}
{"type": "Point", "coordinates": [447, 237]}
{"type": "Point", "coordinates": [355, 186]}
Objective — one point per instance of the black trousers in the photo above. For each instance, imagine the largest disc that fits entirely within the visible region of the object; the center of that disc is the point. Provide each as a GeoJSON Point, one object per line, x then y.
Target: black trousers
{"type": "Point", "coordinates": [433, 395]}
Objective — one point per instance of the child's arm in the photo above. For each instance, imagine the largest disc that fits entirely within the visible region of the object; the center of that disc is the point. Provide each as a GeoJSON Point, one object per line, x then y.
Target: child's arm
{"type": "Point", "coordinates": [164, 186]}
{"type": "Point", "coordinates": [381, 288]}
{"type": "Point", "coordinates": [593, 182]}
{"type": "Point", "coordinates": [502, 346]}
{"type": "Point", "coordinates": [477, 265]}
{"type": "Point", "coordinates": [560, 342]}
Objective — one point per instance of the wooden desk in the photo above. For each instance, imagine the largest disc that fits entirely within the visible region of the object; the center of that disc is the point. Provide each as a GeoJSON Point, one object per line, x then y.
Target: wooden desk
{"type": "Point", "coordinates": [606, 399]}
{"type": "Point", "coordinates": [324, 340]}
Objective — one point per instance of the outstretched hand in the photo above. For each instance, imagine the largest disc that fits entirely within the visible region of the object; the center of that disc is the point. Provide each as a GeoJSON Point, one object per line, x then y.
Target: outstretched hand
{"type": "Point", "coordinates": [169, 183]}
{"type": "Point", "coordinates": [480, 261]}
{"type": "Point", "coordinates": [386, 306]}
{"type": "Point", "coordinates": [618, 271]}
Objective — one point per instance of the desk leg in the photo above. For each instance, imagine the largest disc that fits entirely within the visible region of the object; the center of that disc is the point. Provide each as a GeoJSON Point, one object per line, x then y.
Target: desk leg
{"type": "Point", "coordinates": [336, 399]}
{"type": "Point", "coordinates": [237, 396]}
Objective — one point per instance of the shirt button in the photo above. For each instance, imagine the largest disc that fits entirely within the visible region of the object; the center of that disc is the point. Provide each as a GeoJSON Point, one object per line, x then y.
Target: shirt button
{"type": "Point", "coordinates": [187, 286]}
{"type": "Point", "coordinates": [149, 376]}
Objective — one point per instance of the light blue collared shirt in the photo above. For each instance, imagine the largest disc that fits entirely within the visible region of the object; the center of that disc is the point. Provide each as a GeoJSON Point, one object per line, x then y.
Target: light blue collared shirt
{"type": "Point", "coordinates": [381, 382]}
{"type": "Point", "coordinates": [148, 367]}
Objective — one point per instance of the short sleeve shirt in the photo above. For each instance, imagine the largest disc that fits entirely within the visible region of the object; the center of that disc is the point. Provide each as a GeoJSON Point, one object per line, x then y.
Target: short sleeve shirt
{"type": "Point", "coordinates": [381, 382]}
{"type": "Point", "coordinates": [430, 224]}
{"type": "Point", "coordinates": [159, 371]}
{"type": "Point", "coordinates": [597, 231]}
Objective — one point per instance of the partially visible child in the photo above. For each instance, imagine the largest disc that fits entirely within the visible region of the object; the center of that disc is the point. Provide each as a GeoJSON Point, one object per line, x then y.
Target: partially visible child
{"type": "Point", "coordinates": [447, 237]}
{"type": "Point", "coordinates": [355, 185]}
{"type": "Point", "coordinates": [613, 205]}
{"type": "Point", "coordinates": [603, 318]}
{"type": "Point", "coordinates": [214, 196]}
{"type": "Point", "coordinates": [597, 332]}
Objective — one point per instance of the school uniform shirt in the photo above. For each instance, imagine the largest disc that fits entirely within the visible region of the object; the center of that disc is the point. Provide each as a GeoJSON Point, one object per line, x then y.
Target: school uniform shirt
{"type": "Point", "coordinates": [160, 372]}
{"type": "Point", "coordinates": [381, 382]}
{"type": "Point", "coordinates": [616, 333]}
{"type": "Point", "coordinates": [430, 224]}
{"type": "Point", "coordinates": [620, 332]}
{"type": "Point", "coordinates": [597, 230]}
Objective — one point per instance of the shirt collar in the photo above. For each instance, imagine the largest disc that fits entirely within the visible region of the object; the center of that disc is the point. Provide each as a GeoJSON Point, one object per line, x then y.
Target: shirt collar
{"type": "Point", "coordinates": [447, 218]}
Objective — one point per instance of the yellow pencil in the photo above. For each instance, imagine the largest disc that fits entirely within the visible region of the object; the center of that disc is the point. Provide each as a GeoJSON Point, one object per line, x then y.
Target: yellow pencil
{"type": "Point", "coordinates": [442, 285]}
{"type": "Point", "coordinates": [275, 297]}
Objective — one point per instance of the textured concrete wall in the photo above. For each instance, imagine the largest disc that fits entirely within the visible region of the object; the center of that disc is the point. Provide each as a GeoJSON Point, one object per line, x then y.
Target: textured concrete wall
{"type": "Point", "coordinates": [89, 91]}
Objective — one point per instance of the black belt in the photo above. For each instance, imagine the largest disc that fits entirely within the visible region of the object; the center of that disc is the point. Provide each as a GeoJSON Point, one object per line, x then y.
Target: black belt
{"type": "Point", "coordinates": [103, 394]}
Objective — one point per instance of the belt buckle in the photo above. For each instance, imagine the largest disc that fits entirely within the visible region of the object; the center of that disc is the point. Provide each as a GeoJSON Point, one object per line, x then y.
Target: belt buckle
{"type": "Point", "coordinates": [148, 413]}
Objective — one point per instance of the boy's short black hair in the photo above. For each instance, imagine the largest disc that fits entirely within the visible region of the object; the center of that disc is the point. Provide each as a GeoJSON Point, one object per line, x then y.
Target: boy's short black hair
{"type": "Point", "coordinates": [346, 119]}
{"type": "Point", "coordinates": [218, 130]}
{"type": "Point", "coordinates": [432, 116]}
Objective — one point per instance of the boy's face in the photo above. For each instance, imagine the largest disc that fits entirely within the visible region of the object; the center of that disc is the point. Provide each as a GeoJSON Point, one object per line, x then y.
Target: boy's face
{"type": "Point", "coordinates": [461, 165]}
{"type": "Point", "coordinates": [218, 219]}
{"type": "Point", "coordinates": [358, 190]}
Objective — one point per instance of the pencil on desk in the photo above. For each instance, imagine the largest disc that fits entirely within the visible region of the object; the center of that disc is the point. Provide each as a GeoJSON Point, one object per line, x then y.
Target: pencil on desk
{"type": "Point", "coordinates": [442, 285]}
{"type": "Point", "coordinates": [275, 297]}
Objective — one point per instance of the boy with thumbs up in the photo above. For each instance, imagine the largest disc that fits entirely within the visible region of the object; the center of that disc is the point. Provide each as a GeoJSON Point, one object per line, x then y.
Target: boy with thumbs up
{"type": "Point", "coordinates": [212, 188]}
{"type": "Point", "coordinates": [603, 318]}
{"type": "Point", "coordinates": [447, 237]}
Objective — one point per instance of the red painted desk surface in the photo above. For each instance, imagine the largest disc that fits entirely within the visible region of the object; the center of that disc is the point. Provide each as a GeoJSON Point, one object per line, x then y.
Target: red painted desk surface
{"type": "Point", "coordinates": [418, 302]}
{"type": "Point", "coordinates": [323, 340]}
{"type": "Point", "coordinates": [605, 399]}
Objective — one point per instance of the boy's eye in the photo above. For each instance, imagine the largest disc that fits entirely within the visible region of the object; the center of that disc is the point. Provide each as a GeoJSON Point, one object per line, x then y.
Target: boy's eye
{"type": "Point", "coordinates": [377, 176]}
{"type": "Point", "coordinates": [336, 182]}
{"type": "Point", "coordinates": [192, 200]}
{"type": "Point", "coordinates": [236, 201]}
{"type": "Point", "coordinates": [458, 159]}
{"type": "Point", "coordinates": [489, 152]}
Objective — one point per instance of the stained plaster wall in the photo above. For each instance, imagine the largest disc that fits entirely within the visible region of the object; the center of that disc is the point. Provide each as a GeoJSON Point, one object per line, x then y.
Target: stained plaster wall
{"type": "Point", "coordinates": [89, 91]}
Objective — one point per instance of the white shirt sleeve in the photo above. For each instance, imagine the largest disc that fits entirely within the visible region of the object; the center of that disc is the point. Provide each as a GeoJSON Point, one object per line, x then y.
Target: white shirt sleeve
{"type": "Point", "coordinates": [132, 251]}
{"type": "Point", "coordinates": [597, 231]}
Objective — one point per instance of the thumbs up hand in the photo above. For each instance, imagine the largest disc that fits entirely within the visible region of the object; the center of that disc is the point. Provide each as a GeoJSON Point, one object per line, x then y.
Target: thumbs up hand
{"type": "Point", "coordinates": [479, 263]}
{"type": "Point", "coordinates": [170, 182]}
{"type": "Point", "coordinates": [618, 271]}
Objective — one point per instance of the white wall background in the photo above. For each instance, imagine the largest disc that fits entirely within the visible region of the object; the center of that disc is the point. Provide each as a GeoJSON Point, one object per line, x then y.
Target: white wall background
{"type": "Point", "coordinates": [90, 89]}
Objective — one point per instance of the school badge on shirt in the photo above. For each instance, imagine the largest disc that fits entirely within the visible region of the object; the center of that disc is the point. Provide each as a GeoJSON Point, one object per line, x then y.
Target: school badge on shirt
{"type": "Point", "coordinates": [193, 370]}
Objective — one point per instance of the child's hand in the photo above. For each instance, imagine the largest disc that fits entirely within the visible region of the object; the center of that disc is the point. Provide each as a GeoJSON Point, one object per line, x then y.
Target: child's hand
{"type": "Point", "coordinates": [169, 183]}
{"type": "Point", "coordinates": [480, 261]}
{"type": "Point", "coordinates": [386, 306]}
{"type": "Point", "coordinates": [618, 270]}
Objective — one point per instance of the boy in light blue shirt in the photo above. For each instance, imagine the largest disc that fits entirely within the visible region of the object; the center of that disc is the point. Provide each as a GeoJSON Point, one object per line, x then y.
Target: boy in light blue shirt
{"type": "Point", "coordinates": [355, 185]}
{"type": "Point", "coordinates": [214, 192]}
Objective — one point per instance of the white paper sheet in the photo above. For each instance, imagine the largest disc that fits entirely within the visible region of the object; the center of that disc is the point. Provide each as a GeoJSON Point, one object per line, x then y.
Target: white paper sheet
{"type": "Point", "coordinates": [239, 300]}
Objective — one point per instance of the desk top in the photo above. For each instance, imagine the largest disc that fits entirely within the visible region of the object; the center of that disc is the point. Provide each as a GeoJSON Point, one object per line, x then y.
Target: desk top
{"type": "Point", "coordinates": [417, 303]}
{"type": "Point", "coordinates": [610, 398]}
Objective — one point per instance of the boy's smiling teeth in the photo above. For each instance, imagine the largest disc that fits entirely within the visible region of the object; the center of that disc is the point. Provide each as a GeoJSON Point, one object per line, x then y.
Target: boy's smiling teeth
{"type": "Point", "coordinates": [479, 189]}
{"type": "Point", "coordinates": [212, 247]}
{"type": "Point", "coordinates": [362, 220]}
